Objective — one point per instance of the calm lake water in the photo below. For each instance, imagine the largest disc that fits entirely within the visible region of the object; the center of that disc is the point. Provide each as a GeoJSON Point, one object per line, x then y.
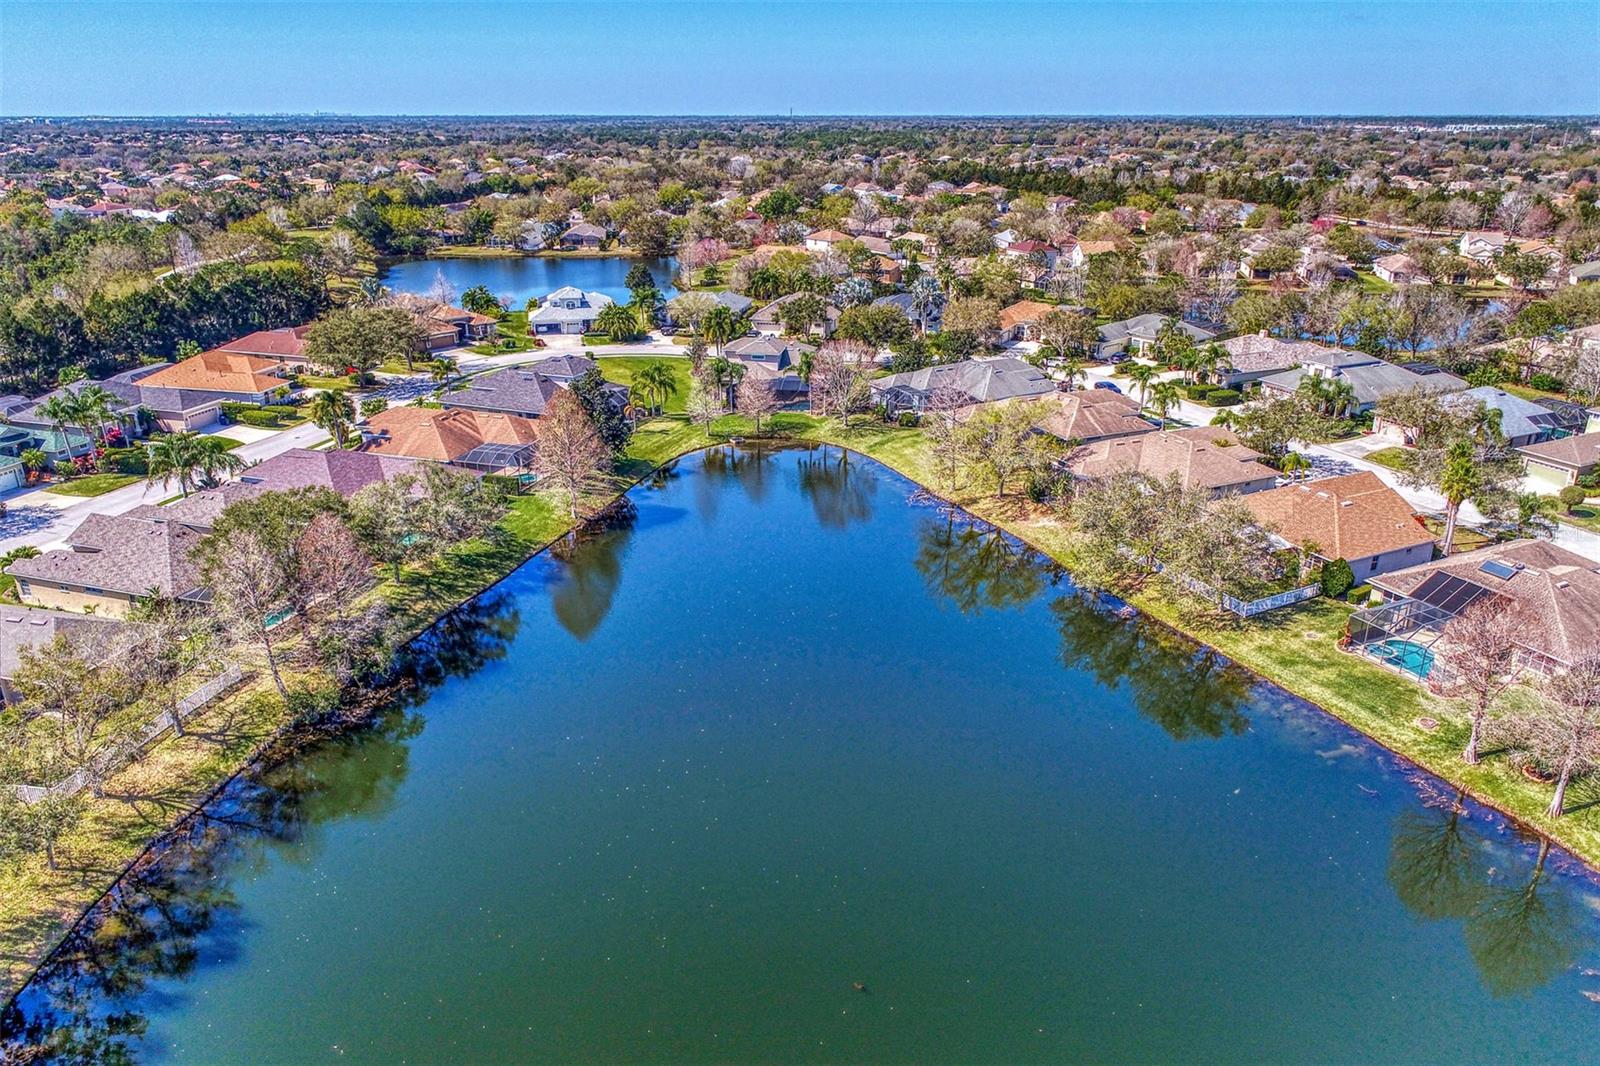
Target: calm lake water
{"type": "Point", "coordinates": [673, 793]}
{"type": "Point", "coordinates": [519, 277]}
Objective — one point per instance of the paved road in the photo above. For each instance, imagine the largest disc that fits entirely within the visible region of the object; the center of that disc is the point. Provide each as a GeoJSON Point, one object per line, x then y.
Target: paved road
{"type": "Point", "coordinates": [656, 345]}
{"type": "Point", "coordinates": [44, 519]}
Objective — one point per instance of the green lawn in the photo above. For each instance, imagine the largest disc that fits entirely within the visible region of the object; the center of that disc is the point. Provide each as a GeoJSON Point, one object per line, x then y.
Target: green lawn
{"type": "Point", "coordinates": [337, 384]}
{"type": "Point", "coordinates": [1585, 516]}
{"type": "Point", "coordinates": [1395, 458]}
{"type": "Point", "coordinates": [622, 368]}
{"type": "Point", "coordinates": [93, 484]}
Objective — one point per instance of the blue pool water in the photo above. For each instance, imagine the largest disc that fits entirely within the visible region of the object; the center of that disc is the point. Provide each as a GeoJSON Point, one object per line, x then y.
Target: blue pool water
{"type": "Point", "coordinates": [1408, 656]}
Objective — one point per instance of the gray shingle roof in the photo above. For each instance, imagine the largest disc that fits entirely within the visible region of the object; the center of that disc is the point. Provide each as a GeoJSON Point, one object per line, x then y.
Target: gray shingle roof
{"type": "Point", "coordinates": [121, 554]}
{"type": "Point", "coordinates": [980, 380]}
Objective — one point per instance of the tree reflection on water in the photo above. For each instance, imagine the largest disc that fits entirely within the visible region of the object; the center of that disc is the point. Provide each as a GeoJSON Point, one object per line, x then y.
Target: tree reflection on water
{"type": "Point", "coordinates": [1188, 691]}
{"type": "Point", "coordinates": [592, 571]}
{"type": "Point", "coordinates": [977, 567]}
{"type": "Point", "coordinates": [840, 488]}
{"type": "Point", "coordinates": [1520, 928]}
{"type": "Point", "coordinates": [87, 1003]}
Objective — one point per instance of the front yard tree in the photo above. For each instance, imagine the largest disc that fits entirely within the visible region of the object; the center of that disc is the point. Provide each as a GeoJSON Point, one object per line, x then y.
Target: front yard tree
{"type": "Point", "coordinates": [362, 339]}
{"type": "Point", "coordinates": [334, 411]}
{"type": "Point", "coordinates": [480, 301]}
{"type": "Point", "coordinates": [190, 458]}
{"type": "Point", "coordinates": [571, 452]}
{"type": "Point", "coordinates": [1479, 655]}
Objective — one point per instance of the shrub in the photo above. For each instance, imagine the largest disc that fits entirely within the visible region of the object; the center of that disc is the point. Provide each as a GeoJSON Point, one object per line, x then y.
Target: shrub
{"type": "Point", "coordinates": [1337, 578]}
{"type": "Point", "coordinates": [1360, 594]}
{"type": "Point", "coordinates": [126, 460]}
{"type": "Point", "coordinates": [1546, 382]}
{"type": "Point", "coordinates": [257, 417]}
{"type": "Point", "coordinates": [1571, 496]}
{"type": "Point", "coordinates": [1198, 393]}
{"type": "Point", "coordinates": [1223, 397]}
{"type": "Point", "coordinates": [373, 405]}
{"type": "Point", "coordinates": [908, 419]}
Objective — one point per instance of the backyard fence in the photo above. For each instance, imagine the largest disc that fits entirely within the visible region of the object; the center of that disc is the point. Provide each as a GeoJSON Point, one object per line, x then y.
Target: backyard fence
{"type": "Point", "coordinates": [1250, 608]}
{"type": "Point", "coordinates": [112, 759]}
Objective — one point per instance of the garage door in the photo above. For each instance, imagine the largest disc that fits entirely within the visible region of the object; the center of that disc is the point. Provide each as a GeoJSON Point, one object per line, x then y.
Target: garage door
{"type": "Point", "coordinates": [1548, 478]}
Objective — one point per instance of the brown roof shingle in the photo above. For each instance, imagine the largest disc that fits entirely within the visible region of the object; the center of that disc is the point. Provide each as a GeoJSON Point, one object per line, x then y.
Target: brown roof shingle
{"type": "Point", "coordinates": [1349, 517]}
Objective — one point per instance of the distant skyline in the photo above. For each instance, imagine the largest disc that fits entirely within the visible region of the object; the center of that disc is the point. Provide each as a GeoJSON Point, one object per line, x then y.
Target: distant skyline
{"type": "Point", "coordinates": [743, 57]}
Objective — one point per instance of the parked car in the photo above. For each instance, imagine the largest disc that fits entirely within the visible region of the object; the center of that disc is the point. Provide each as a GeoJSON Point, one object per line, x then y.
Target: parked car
{"type": "Point", "coordinates": [1106, 385]}
{"type": "Point", "coordinates": [1117, 358]}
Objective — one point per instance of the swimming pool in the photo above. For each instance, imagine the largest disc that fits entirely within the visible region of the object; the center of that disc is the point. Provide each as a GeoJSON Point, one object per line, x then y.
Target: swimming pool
{"type": "Point", "coordinates": [1411, 657]}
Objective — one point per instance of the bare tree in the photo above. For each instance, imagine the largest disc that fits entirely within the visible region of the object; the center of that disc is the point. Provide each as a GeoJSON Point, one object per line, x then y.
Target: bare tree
{"type": "Point", "coordinates": [840, 381]}
{"type": "Point", "coordinates": [82, 684]}
{"type": "Point", "coordinates": [571, 453]}
{"type": "Point", "coordinates": [1564, 733]}
{"type": "Point", "coordinates": [941, 424]}
{"type": "Point", "coordinates": [1479, 655]}
{"type": "Point", "coordinates": [249, 588]}
{"type": "Point", "coordinates": [757, 398]}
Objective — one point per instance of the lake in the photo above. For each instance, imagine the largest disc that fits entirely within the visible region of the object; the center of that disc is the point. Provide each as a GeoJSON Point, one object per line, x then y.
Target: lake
{"type": "Point", "coordinates": [519, 277]}
{"type": "Point", "coordinates": [787, 764]}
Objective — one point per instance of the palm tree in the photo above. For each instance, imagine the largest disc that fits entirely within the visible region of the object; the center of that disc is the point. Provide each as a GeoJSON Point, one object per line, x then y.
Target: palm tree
{"type": "Point", "coordinates": [96, 407]}
{"type": "Point", "coordinates": [720, 325]}
{"type": "Point", "coordinates": [176, 455]}
{"type": "Point", "coordinates": [334, 411]}
{"type": "Point", "coordinates": [1294, 464]}
{"type": "Point", "coordinates": [616, 322]}
{"type": "Point", "coordinates": [644, 306]}
{"type": "Point", "coordinates": [1142, 375]}
{"type": "Point", "coordinates": [214, 460]}
{"type": "Point", "coordinates": [1164, 397]}
{"type": "Point", "coordinates": [658, 383]}
{"type": "Point", "coordinates": [1227, 418]}
{"type": "Point", "coordinates": [1533, 515]}
{"type": "Point", "coordinates": [442, 368]}
{"type": "Point", "coordinates": [1073, 366]}
{"type": "Point", "coordinates": [1209, 360]}
{"type": "Point", "coordinates": [926, 296]}
{"type": "Point", "coordinates": [62, 411]}
{"type": "Point", "coordinates": [1459, 481]}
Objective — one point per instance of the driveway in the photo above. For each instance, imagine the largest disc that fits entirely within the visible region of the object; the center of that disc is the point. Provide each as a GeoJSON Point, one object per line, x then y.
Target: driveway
{"type": "Point", "coordinates": [44, 519]}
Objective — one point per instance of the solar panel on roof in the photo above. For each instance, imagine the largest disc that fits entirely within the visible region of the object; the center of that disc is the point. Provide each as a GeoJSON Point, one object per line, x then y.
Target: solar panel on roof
{"type": "Point", "coordinates": [1449, 594]}
{"type": "Point", "coordinates": [1498, 569]}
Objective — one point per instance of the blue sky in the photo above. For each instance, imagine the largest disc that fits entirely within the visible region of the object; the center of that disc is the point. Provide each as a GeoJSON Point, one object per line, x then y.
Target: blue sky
{"type": "Point", "coordinates": [818, 57]}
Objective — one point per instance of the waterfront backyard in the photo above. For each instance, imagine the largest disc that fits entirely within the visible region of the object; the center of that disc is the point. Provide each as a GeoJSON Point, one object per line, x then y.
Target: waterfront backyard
{"type": "Point", "coordinates": [675, 790]}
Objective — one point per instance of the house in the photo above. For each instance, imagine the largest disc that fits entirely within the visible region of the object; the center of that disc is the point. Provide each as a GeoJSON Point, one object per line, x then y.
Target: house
{"type": "Point", "coordinates": [1090, 415]}
{"type": "Point", "coordinates": [445, 326]}
{"type": "Point", "coordinates": [583, 235]}
{"type": "Point", "coordinates": [1082, 251]}
{"type": "Point", "coordinates": [524, 391]}
{"type": "Point", "coordinates": [1584, 273]}
{"type": "Point", "coordinates": [970, 381]}
{"type": "Point", "coordinates": [1254, 356]}
{"type": "Point", "coordinates": [568, 310]}
{"type": "Point", "coordinates": [29, 628]}
{"type": "Point", "coordinates": [1202, 457]}
{"type": "Point", "coordinates": [1555, 464]}
{"type": "Point", "coordinates": [903, 301]}
{"type": "Point", "coordinates": [769, 318]}
{"type": "Point", "coordinates": [564, 369]}
{"type": "Point", "coordinates": [1020, 321]}
{"type": "Point", "coordinates": [111, 562]}
{"type": "Point", "coordinates": [823, 240]}
{"type": "Point", "coordinates": [1370, 378]}
{"type": "Point", "coordinates": [1558, 590]}
{"type": "Point", "coordinates": [1141, 331]}
{"type": "Point", "coordinates": [774, 352]}
{"type": "Point", "coordinates": [26, 426]}
{"type": "Point", "coordinates": [1399, 269]}
{"type": "Point", "coordinates": [1355, 517]}
{"type": "Point", "coordinates": [345, 472]}
{"type": "Point", "coordinates": [1522, 421]}
{"type": "Point", "coordinates": [477, 440]}
{"type": "Point", "coordinates": [287, 346]}
{"type": "Point", "coordinates": [223, 376]}
{"type": "Point", "coordinates": [1482, 246]}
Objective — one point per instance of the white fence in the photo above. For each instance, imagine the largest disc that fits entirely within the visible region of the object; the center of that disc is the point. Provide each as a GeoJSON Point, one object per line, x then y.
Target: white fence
{"type": "Point", "coordinates": [1253, 607]}
{"type": "Point", "coordinates": [112, 759]}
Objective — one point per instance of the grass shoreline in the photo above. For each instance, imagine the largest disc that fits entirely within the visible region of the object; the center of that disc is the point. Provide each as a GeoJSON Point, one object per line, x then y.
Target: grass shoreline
{"type": "Point", "coordinates": [1380, 705]}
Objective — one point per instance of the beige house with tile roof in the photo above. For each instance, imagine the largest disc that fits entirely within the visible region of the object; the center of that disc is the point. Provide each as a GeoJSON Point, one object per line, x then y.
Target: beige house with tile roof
{"type": "Point", "coordinates": [1206, 457]}
{"type": "Point", "coordinates": [1356, 518]}
{"type": "Point", "coordinates": [1555, 464]}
